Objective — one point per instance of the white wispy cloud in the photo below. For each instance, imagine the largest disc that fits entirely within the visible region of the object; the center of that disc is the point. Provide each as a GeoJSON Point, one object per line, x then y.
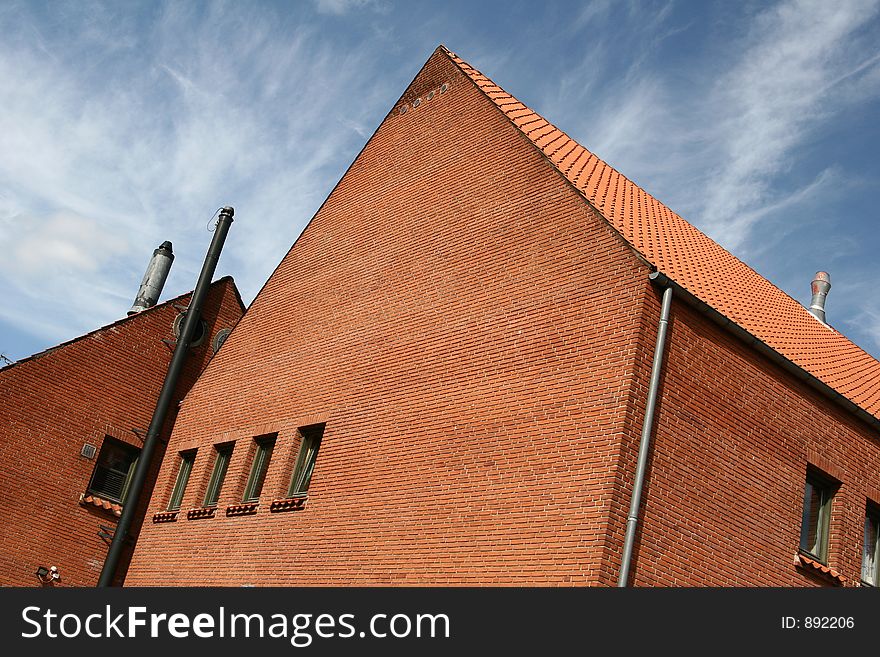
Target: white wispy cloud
{"type": "Point", "coordinates": [109, 152]}
{"type": "Point", "coordinates": [58, 241]}
{"type": "Point", "coordinates": [713, 143]}
{"type": "Point", "coordinates": [125, 127]}
{"type": "Point", "coordinates": [868, 321]}
{"type": "Point", "coordinates": [782, 88]}
{"type": "Point", "coordinates": [340, 7]}
{"type": "Point", "coordinates": [722, 139]}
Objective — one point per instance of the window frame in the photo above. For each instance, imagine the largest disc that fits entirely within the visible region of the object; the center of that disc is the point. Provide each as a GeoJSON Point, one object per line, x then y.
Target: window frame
{"type": "Point", "coordinates": [310, 444]}
{"type": "Point", "coordinates": [184, 470]}
{"type": "Point", "coordinates": [259, 467]}
{"type": "Point", "coordinates": [826, 489]}
{"type": "Point", "coordinates": [223, 455]}
{"type": "Point", "coordinates": [872, 515]}
{"type": "Point", "coordinates": [114, 443]}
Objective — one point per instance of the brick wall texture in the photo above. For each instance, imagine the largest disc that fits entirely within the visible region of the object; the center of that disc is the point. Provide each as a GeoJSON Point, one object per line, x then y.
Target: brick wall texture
{"type": "Point", "coordinates": [105, 383]}
{"type": "Point", "coordinates": [478, 341]}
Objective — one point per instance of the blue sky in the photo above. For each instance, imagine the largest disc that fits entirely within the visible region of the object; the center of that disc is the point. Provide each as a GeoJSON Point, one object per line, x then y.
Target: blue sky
{"type": "Point", "coordinates": [123, 125]}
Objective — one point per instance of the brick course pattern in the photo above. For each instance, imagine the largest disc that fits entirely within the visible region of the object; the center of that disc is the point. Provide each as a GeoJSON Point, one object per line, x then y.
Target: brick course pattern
{"type": "Point", "coordinates": [477, 339]}
{"type": "Point", "coordinates": [105, 383]}
{"type": "Point", "coordinates": [733, 439]}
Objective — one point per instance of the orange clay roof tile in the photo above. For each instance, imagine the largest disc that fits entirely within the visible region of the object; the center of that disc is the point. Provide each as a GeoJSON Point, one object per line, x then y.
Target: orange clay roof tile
{"type": "Point", "coordinates": [805, 561]}
{"type": "Point", "coordinates": [569, 154]}
{"type": "Point", "coordinates": [696, 262]}
{"type": "Point", "coordinates": [102, 503]}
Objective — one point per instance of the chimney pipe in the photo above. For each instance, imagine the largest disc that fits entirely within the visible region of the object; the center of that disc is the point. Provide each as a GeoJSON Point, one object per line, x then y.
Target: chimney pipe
{"type": "Point", "coordinates": [820, 286]}
{"type": "Point", "coordinates": [154, 279]}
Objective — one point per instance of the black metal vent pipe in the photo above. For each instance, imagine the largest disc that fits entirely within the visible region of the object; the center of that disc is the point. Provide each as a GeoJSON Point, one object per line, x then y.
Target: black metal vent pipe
{"type": "Point", "coordinates": [166, 396]}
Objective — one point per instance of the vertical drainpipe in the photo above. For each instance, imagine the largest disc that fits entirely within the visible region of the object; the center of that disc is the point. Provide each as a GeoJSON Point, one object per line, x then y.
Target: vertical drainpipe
{"type": "Point", "coordinates": [656, 367]}
{"type": "Point", "coordinates": [166, 396]}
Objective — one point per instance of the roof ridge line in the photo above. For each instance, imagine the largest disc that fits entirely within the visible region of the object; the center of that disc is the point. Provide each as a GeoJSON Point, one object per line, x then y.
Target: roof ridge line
{"type": "Point", "coordinates": [459, 62]}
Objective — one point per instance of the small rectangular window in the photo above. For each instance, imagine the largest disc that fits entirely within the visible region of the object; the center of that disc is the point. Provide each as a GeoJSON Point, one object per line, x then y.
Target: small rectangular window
{"type": "Point", "coordinates": [816, 518]}
{"type": "Point", "coordinates": [871, 549]}
{"type": "Point", "coordinates": [221, 463]}
{"type": "Point", "coordinates": [305, 461]}
{"type": "Point", "coordinates": [113, 470]}
{"type": "Point", "coordinates": [186, 462]}
{"type": "Point", "coordinates": [265, 445]}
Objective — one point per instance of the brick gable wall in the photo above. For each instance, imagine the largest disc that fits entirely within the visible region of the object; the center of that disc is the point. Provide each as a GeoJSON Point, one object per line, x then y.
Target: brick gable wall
{"type": "Point", "coordinates": [478, 342]}
{"type": "Point", "coordinates": [467, 328]}
{"type": "Point", "coordinates": [103, 384]}
{"type": "Point", "coordinates": [733, 439]}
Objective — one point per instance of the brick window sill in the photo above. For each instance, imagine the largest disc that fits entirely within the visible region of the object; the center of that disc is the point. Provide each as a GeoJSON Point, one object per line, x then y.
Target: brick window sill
{"type": "Point", "coordinates": [297, 503]}
{"type": "Point", "coordinates": [244, 509]}
{"type": "Point", "coordinates": [87, 499]}
{"type": "Point", "coordinates": [202, 512]}
{"type": "Point", "coordinates": [817, 568]}
{"type": "Point", "coordinates": [165, 516]}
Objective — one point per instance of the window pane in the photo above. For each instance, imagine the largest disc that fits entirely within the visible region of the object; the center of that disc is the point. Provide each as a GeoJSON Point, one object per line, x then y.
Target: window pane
{"type": "Point", "coordinates": [814, 505]}
{"type": "Point", "coordinates": [186, 463]}
{"type": "Point", "coordinates": [113, 470]}
{"type": "Point", "coordinates": [258, 469]}
{"type": "Point", "coordinates": [816, 517]}
{"type": "Point", "coordinates": [869, 554]}
{"type": "Point", "coordinates": [305, 462]}
{"type": "Point", "coordinates": [219, 472]}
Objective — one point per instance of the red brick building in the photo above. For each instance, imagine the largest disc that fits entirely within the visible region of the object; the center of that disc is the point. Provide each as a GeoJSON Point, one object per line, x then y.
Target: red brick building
{"type": "Point", "coordinates": [71, 425]}
{"type": "Point", "coordinates": [463, 337]}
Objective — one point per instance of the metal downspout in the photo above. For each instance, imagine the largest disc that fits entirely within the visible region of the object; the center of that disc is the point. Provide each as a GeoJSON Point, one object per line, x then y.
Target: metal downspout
{"type": "Point", "coordinates": [166, 396]}
{"type": "Point", "coordinates": [656, 367]}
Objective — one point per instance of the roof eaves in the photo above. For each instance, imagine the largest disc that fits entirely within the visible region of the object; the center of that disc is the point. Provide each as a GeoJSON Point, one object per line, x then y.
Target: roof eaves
{"type": "Point", "coordinates": [762, 347]}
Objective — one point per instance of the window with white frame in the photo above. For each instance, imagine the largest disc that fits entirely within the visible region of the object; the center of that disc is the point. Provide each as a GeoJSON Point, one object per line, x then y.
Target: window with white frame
{"type": "Point", "coordinates": [871, 547]}
{"type": "Point", "coordinates": [816, 516]}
